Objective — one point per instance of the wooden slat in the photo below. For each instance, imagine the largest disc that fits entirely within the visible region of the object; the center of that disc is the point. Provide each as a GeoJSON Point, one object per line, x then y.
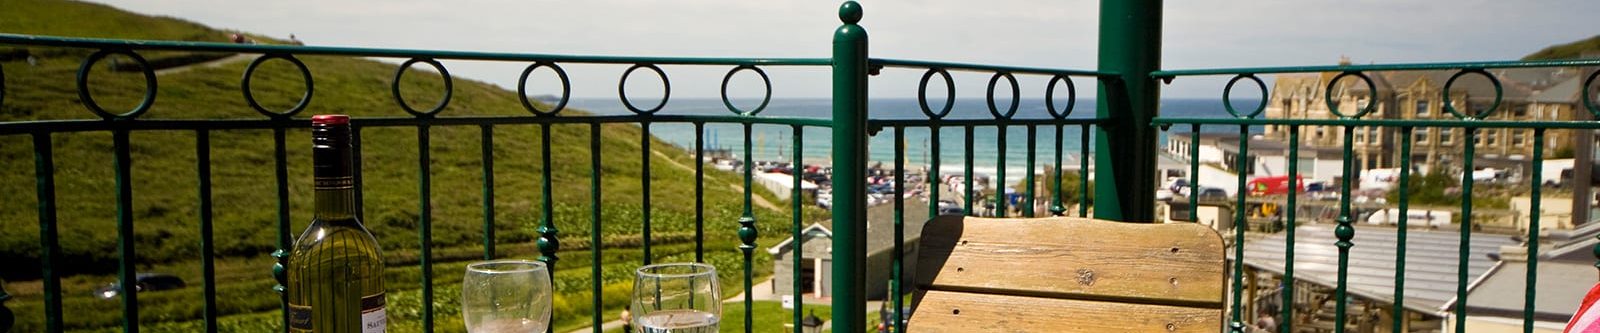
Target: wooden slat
{"type": "Point", "coordinates": [1173, 264]}
{"type": "Point", "coordinates": [944, 311]}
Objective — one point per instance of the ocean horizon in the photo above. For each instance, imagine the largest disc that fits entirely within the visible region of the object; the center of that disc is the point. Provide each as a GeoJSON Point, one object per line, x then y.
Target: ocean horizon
{"type": "Point", "coordinates": [775, 142]}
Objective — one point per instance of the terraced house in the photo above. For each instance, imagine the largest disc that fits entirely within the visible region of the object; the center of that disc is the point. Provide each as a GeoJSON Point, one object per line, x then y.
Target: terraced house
{"type": "Point", "coordinates": [1526, 95]}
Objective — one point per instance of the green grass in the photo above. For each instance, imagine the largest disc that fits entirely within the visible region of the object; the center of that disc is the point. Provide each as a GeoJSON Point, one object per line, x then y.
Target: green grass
{"type": "Point", "coordinates": [165, 203]}
{"type": "Point", "coordinates": [1573, 50]}
{"type": "Point", "coordinates": [768, 316]}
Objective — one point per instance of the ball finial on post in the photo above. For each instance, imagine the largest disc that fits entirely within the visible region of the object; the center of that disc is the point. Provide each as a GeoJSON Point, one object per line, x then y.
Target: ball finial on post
{"type": "Point", "coordinates": [850, 12]}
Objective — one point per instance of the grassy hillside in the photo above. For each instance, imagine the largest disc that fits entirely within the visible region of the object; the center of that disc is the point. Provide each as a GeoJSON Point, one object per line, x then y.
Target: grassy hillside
{"type": "Point", "coordinates": [166, 204]}
{"type": "Point", "coordinates": [1573, 50]}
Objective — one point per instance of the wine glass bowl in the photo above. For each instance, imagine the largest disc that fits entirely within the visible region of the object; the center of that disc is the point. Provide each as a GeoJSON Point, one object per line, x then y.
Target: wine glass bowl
{"type": "Point", "coordinates": [676, 298]}
{"type": "Point", "coordinates": [502, 296]}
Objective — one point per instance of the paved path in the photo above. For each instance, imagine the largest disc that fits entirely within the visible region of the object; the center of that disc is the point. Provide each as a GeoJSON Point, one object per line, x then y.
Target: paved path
{"type": "Point", "coordinates": [213, 63]}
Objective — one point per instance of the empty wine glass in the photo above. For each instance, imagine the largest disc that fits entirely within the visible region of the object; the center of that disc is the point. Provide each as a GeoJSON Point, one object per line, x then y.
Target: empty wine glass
{"type": "Point", "coordinates": [676, 298]}
{"type": "Point", "coordinates": [504, 296]}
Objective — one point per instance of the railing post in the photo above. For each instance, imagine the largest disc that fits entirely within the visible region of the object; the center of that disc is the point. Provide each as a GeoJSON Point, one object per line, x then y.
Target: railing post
{"type": "Point", "coordinates": [6, 318]}
{"type": "Point", "coordinates": [1130, 46]}
{"type": "Point", "coordinates": [849, 168]}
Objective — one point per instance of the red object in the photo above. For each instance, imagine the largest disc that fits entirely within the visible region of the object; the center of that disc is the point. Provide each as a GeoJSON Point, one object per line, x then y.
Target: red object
{"type": "Point", "coordinates": [1580, 324]}
{"type": "Point", "coordinates": [1274, 185]}
{"type": "Point", "coordinates": [330, 119]}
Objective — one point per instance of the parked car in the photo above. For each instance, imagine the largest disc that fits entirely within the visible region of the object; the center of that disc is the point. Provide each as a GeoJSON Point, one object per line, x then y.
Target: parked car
{"type": "Point", "coordinates": [143, 282]}
{"type": "Point", "coordinates": [949, 207]}
{"type": "Point", "coordinates": [1213, 193]}
{"type": "Point", "coordinates": [886, 314]}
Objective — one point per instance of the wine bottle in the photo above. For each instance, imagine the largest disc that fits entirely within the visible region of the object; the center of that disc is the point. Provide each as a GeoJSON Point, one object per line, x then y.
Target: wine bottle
{"type": "Point", "coordinates": [335, 269]}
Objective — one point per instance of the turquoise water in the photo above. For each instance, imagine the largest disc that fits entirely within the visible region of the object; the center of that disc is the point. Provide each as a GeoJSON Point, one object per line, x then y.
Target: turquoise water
{"type": "Point", "coordinates": [775, 142]}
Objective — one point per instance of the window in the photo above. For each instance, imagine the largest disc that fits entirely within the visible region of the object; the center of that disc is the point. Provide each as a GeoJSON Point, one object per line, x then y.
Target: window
{"type": "Point", "coordinates": [1321, 132]}
{"type": "Point", "coordinates": [1361, 136]}
{"type": "Point", "coordinates": [1421, 135]}
{"type": "Point", "coordinates": [1494, 137]}
{"type": "Point", "coordinates": [1422, 108]}
{"type": "Point", "coordinates": [1520, 112]}
{"type": "Point", "coordinates": [1447, 135]}
{"type": "Point", "coordinates": [1519, 138]}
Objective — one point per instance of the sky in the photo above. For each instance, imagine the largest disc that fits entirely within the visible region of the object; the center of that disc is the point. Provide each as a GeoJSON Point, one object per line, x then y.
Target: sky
{"type": "Point", "coordinates": [1034, 33]}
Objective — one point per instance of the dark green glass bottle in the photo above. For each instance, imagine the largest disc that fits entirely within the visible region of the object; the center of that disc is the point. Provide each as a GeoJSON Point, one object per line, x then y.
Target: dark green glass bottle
{"type": "Point", "coordinates": [336, 269]}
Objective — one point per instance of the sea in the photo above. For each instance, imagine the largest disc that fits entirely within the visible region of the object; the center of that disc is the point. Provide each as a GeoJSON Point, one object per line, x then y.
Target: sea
{"type": "Point", "coordinates": [775, 142]}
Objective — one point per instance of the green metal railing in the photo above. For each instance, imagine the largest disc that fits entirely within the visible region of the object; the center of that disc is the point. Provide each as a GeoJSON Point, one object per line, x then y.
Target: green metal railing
{"type": "Point", "coordinates": [1125, 123]}
{"type": "Point", "coordinates": [1348, 120]}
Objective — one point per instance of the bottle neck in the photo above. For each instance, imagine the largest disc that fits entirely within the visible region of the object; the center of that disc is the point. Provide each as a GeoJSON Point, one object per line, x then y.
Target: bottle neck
{"type": "Point", "coordinates": [336, 204]}
{"type": "Point", "coordinates": [333, 172]}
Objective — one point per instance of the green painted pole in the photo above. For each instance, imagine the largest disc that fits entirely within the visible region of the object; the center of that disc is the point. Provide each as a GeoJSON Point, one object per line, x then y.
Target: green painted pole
{"type": "Point", "coordinates": [1130, 45]}
{"type": "Point", "coordinates": [849, 168]}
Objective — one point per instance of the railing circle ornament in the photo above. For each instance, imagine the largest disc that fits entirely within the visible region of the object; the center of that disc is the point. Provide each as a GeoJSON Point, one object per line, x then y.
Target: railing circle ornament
{"type": "Point", "coordinates": [949, 98]}
{"type": "Point", "coordinates": [250, 98]}
{"type": "Point", "coordinates": [729, 103]}
{"type": "Point", "coordinates": [1588, 97]}
{"type": "Point", "coordinates": [1227, 92]}
{"type": "Point", "coordinates": [666, 89]}
{"type": "Point", "coordinates": [1333, 104]}
{"type": "Point", "coordinates": [88, 99]}
{"type": "Point", "coordinates": [1050, 96]}
{"type": "Point", "coordinates": [566, 89]}
{"type": "Point", "coordinates": [1450, 106]}
{"type": "Point", "coordinates": [443, 101]}
{"type": "Point", "coordinates": [1016, 95]}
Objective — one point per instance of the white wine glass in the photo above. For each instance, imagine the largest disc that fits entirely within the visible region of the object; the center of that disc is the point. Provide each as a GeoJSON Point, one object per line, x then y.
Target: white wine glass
{"type": "Point", "coordinates": [504, 296]}
{"type": "Point", "coordinates": [676, 298]}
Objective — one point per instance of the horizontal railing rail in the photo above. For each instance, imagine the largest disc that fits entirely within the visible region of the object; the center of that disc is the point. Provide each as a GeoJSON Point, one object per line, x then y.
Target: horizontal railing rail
{"type": "Point", "coordinates": [1366, 103]}
{"type": "Point", "coordinates": [123, 44]}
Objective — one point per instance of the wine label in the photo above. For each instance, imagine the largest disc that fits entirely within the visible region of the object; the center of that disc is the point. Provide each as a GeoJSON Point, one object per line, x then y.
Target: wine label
{"type": "Point", "coordinates": [335, 183]}
{"type": "Point", "coordinates": [373, 317]}
{"type": "Point", "coordinates": [299, 319]}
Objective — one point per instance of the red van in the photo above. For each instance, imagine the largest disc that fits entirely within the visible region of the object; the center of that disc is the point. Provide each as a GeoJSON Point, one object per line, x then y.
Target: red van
{"type": "Point", "coordinates": [1274, 185]}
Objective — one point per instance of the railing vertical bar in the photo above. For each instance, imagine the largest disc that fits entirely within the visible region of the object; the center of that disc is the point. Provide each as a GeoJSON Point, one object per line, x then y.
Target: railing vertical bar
{"type": "Point", "coordinates": [1344, 232]}
{"type": "Point", "coordinates": [281, 168]}
{"type": "Point", "coordinates": [425, 222]}
{"type": "Point", "coordinates": [355, 152]}
{"type": "Point", "coordinates": [1289, 225]}
{"type": "Point", "coordinates": [45, 180]}
{"type": "Point", "coordinates": [898, 279]}
{"type": "Point", "coordinates": [208, 271]}
{"type": "Point", "coordinates": [1055, 196]}
{"type": "Point", "coordinates": [798, 216]}
{"type": "Point", "coordinates": [967, 190]}
{"type": "Point", "coordinates": [1465, 252]}
{"type": "Point", "coordinates": [487, 143]}
{"type": "Point", "coordinates": [1083, 171]}
{"type": "Point", "coordinates": [699, 192]}
{"type": "Point", "coordinates": [747, 230]}
{"type": "Point", "coordinates": [1194, 173]}
{"type": "Point", "coordinates": [644, 187]}
{"type": "Point", "coordinates": [1000, 171]}
{"type": "Point", "coordinates": [594, 226]}
{"type": "Point", "coordinates": [935, 177]}
{"type": "Point", "coordinates": [548, 244]}
{"type": "Point", "coordinates": [1533, 230]}
{"type": "Point", "coordinates": [1033, 135]}
{"type": "Point", "coordinates": [126, 272]}
{"type": "Point", "coordinates": [1466, 229]}
{"type": "Point", "coordinates": [1399, 311]}
{"type": "Point", "coordinates": [1242, 163]}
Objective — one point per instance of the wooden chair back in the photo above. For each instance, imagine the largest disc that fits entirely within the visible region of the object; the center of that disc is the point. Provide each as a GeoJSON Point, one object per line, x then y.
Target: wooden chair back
{"type": "Point", "coordinates": [1066, 275]}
